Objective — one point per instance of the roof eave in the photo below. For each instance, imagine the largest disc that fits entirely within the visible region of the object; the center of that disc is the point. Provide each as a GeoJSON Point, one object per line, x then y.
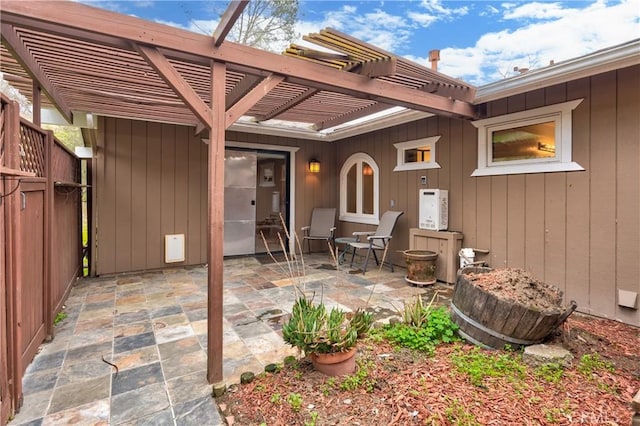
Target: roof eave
{"type": "Point", "coordinates": [617, 57]}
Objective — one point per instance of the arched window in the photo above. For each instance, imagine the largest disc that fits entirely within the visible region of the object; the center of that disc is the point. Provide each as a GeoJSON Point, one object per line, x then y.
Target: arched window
{"type": "Point", "coordinates": [359, 190]}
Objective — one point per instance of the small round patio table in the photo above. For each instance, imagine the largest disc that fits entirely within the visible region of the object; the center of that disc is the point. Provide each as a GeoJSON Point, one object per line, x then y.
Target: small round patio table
{"type": "Point", "coordinates": [346, 241]}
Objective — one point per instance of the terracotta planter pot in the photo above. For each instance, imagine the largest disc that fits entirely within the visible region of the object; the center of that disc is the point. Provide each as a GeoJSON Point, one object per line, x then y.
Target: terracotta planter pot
{"type": "Point", "coordinates": [336, 364]}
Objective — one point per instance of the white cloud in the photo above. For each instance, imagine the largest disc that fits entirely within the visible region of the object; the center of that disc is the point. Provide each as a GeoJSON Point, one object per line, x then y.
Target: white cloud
{"type": "Point", "coordinates": [536, 10]}
{"type": "Point", "coordinates": [575, 32]}
{"type": "Point", "coordinates": [423, 19]}
{"type": "Point", "coordinates": [437, 7]}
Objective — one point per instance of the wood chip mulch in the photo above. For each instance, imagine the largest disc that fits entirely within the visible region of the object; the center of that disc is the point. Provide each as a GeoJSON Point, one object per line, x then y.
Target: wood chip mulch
{"type": "Point", "coordinates": [402, 387]}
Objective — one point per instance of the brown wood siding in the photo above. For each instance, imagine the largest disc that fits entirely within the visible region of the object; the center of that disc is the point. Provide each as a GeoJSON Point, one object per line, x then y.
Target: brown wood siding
{"type": "Point", "coordinates": [151, 180]}
{"type": "Point", "coordinates": [577, 230]}
{"type": "Point", "coordinates": [149, 184]}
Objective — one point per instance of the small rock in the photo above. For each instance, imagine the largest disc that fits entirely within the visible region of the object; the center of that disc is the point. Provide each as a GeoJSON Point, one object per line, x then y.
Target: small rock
{"type": "Point", "coordinates": [247, 377]}
{"type": "Point", "coordinates": [271, 368]}
{"type": "Point", "coordinates": [219, 389]}
{"type": "Point", "coordinates": [537, 355]}
{"type": "Point", "coordinates": [222, 406]}
{"type": "Point", "coordinates": [347, 401]}
{"type": "Point", "coordinates": [230, 420]}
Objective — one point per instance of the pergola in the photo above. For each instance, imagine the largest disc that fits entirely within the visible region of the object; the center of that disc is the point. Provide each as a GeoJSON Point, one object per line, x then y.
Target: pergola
{"type": "Point", "coordinates": [89, 60]}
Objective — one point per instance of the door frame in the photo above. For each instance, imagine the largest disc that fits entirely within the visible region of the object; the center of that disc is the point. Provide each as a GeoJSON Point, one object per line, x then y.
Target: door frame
{"type": "Point", "coordinates": [291, 181]}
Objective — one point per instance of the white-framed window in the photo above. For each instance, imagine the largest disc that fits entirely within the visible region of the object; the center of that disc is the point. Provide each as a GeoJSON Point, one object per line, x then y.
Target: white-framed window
{"type": "Point", "coordinates": [359, 189]}
{"type": "Point", "coordinates": [532, 141]}
{"type": "Point", "coordinates": [419, 154]}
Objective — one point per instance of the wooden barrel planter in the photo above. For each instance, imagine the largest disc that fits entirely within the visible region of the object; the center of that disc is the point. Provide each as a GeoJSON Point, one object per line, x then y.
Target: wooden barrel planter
{"type": "Point", "coordinates": [490, 321]}
{"type": "Point", "coordinates": [421, 266]}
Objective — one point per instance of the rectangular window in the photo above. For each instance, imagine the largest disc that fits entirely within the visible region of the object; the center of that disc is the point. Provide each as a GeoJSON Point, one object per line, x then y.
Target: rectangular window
{"type": "Point", "coordinates": [524, 143]}
{"type": "Point", "coordinates": [419, 154]}
{"type": "Point", "coordinates": [532, 141]}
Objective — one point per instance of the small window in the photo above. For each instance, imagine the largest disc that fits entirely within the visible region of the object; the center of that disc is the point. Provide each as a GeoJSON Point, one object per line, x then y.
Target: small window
{"type": "Point", "coordinates": [533, 141]}
{"type": "Point", "coordinates": [417, 155]}
{"type": "Point", "coordinates": [359, 189]}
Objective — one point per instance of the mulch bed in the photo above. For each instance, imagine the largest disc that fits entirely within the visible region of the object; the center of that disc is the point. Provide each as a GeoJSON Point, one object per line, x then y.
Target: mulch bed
{"type": "Point", "coordinates": [403, 387]}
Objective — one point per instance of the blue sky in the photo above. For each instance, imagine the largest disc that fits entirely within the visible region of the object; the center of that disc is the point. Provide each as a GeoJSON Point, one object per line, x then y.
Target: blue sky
{"type": "Point", "coordinates": [479, 41]}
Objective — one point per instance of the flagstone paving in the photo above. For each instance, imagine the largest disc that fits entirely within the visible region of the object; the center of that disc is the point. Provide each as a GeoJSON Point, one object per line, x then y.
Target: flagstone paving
{"type": "Point", "coordinates": [153, 327]}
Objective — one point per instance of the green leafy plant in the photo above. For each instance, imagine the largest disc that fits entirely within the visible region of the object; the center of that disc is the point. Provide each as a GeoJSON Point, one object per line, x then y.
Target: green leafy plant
{"type": "Point", "coordinates": [360, 379]}
{"type": "Point", "coordinates": [295, 401]}
{"type": "Point", "coordinates": [479, 365]}
{"type": "Point", "coordinates": [328, 386]}
{"type": "Point", "coordinates": [457, 414]}
{"type": "Point", "coordinates": [276, 398]}
{"type": "Point", "coordinates": [60, 316]}
{"type": "Point", "coordinates": [313, 420]}
{"type": "Point", "coordinates": [591, 363]}
{"type": "Point", "coordinates": [551, 372]}
{"type": "Point", "coordinates": [435, 326]}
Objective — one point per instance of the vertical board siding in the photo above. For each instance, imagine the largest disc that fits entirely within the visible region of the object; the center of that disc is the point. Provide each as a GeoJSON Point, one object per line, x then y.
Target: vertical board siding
{"type": "Point", "coordinates": [628, 186]}
{"type": "Point", "coordinates": [577, 230]}
{"type": "Point", "coordinates": [602, 256]}
{"type": "Point", "coordinates": [149, 184]}
{"type": "Point", "coordinates": [578, 286]}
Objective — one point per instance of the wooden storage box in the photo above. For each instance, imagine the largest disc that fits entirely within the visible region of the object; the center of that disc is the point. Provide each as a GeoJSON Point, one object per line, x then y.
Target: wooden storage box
{"type": "Point", "coordinates": [446, 243]}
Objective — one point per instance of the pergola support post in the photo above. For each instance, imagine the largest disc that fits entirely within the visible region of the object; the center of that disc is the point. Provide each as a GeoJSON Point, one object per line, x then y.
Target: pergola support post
{"type": "Point", "coordinates": [215, 243]}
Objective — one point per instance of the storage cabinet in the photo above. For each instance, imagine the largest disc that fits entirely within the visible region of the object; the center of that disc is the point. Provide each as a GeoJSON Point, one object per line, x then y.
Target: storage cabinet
{"type": "Point", "coordinates": [446, 243]}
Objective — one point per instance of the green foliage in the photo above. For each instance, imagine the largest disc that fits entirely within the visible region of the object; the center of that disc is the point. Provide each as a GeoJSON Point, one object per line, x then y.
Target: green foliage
{"type": "Point", "coordinates": [276, 398]}
{"type": "Point", "coordinates": [313, 330]}
{"type": "Point", "coordinates": [479, 365]}
{"type": "Point", "coordinates": [60, 316]}
{"type": "Point", "coordinates": [328, 386]}
{"type": "Point", "coordinates": [592, 363]}
{"type": "Point", "coordinates": [435, 327]}
{"type": "Point", "coordinates": [313, 420]}
{"type": "Point", "coordinates": [551, 372]}
{"type": "Point", "coordinates": [360, 379]}
{"type": "Point", "coordinates": [295, 401]}
{"type": "Point", "coordinates": [458, 415]}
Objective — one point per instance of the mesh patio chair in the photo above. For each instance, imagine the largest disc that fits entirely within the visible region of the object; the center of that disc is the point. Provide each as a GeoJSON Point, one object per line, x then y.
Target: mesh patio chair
{"type": "Point", "coordinates": [322, 227]}
{"type": "Point", "coordinates": [376, 240]}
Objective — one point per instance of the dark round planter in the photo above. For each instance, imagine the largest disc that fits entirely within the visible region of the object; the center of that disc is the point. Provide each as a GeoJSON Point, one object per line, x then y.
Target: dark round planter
{"type": "Point", "coordinates": [421, 266]}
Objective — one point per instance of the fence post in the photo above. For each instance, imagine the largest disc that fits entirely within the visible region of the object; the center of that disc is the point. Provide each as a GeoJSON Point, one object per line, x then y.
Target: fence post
{"type": "Point", "coordinates": [48, 235]}
{"type": "Point", "coordinates": [12, 215]}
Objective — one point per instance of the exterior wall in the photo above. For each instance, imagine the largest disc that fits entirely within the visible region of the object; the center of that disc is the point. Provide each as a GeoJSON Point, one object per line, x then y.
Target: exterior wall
{"type": "Point", "coordinates": [577, 230]}
{"type": "Point", "coordinates": [151, 180]}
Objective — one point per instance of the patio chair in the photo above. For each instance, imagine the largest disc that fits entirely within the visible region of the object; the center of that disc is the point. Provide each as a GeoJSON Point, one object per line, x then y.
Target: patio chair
{"type": "Point", "coordinates": [377, 240]}
{"type": "Point", "coordinates": [322, 227]}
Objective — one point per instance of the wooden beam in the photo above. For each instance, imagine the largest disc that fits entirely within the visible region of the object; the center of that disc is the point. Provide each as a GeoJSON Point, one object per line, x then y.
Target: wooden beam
{"type": "Point", "coordinates": [242, 88]}
{"type": "Point", "coordinates": [229, 17]}
{"type": "Point", "coordinates": [215, 241]}
{"type": "Point", "coordinates": [378, 68]}
{"type": "Point", "coordinates": [179, 85]}
{"type": "Point", "coordinates": [288, 105]}
{"type": "Point", "coordinates": [74, 18]}
{"type": "Point", "coordinates": [257, 93]}
{"type": "Point", "coordinates": [36, 94]}
{"type": "Point", "coordinates": [20, 52]}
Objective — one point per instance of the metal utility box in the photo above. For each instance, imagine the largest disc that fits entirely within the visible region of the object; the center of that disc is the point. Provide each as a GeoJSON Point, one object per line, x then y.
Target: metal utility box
{"type": "Point", "coordinates": [433, 209]}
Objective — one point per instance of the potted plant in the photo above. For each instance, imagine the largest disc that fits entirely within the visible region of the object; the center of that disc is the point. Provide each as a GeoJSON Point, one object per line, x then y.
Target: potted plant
{"type": "Point", "coordinates": [328, 338]}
